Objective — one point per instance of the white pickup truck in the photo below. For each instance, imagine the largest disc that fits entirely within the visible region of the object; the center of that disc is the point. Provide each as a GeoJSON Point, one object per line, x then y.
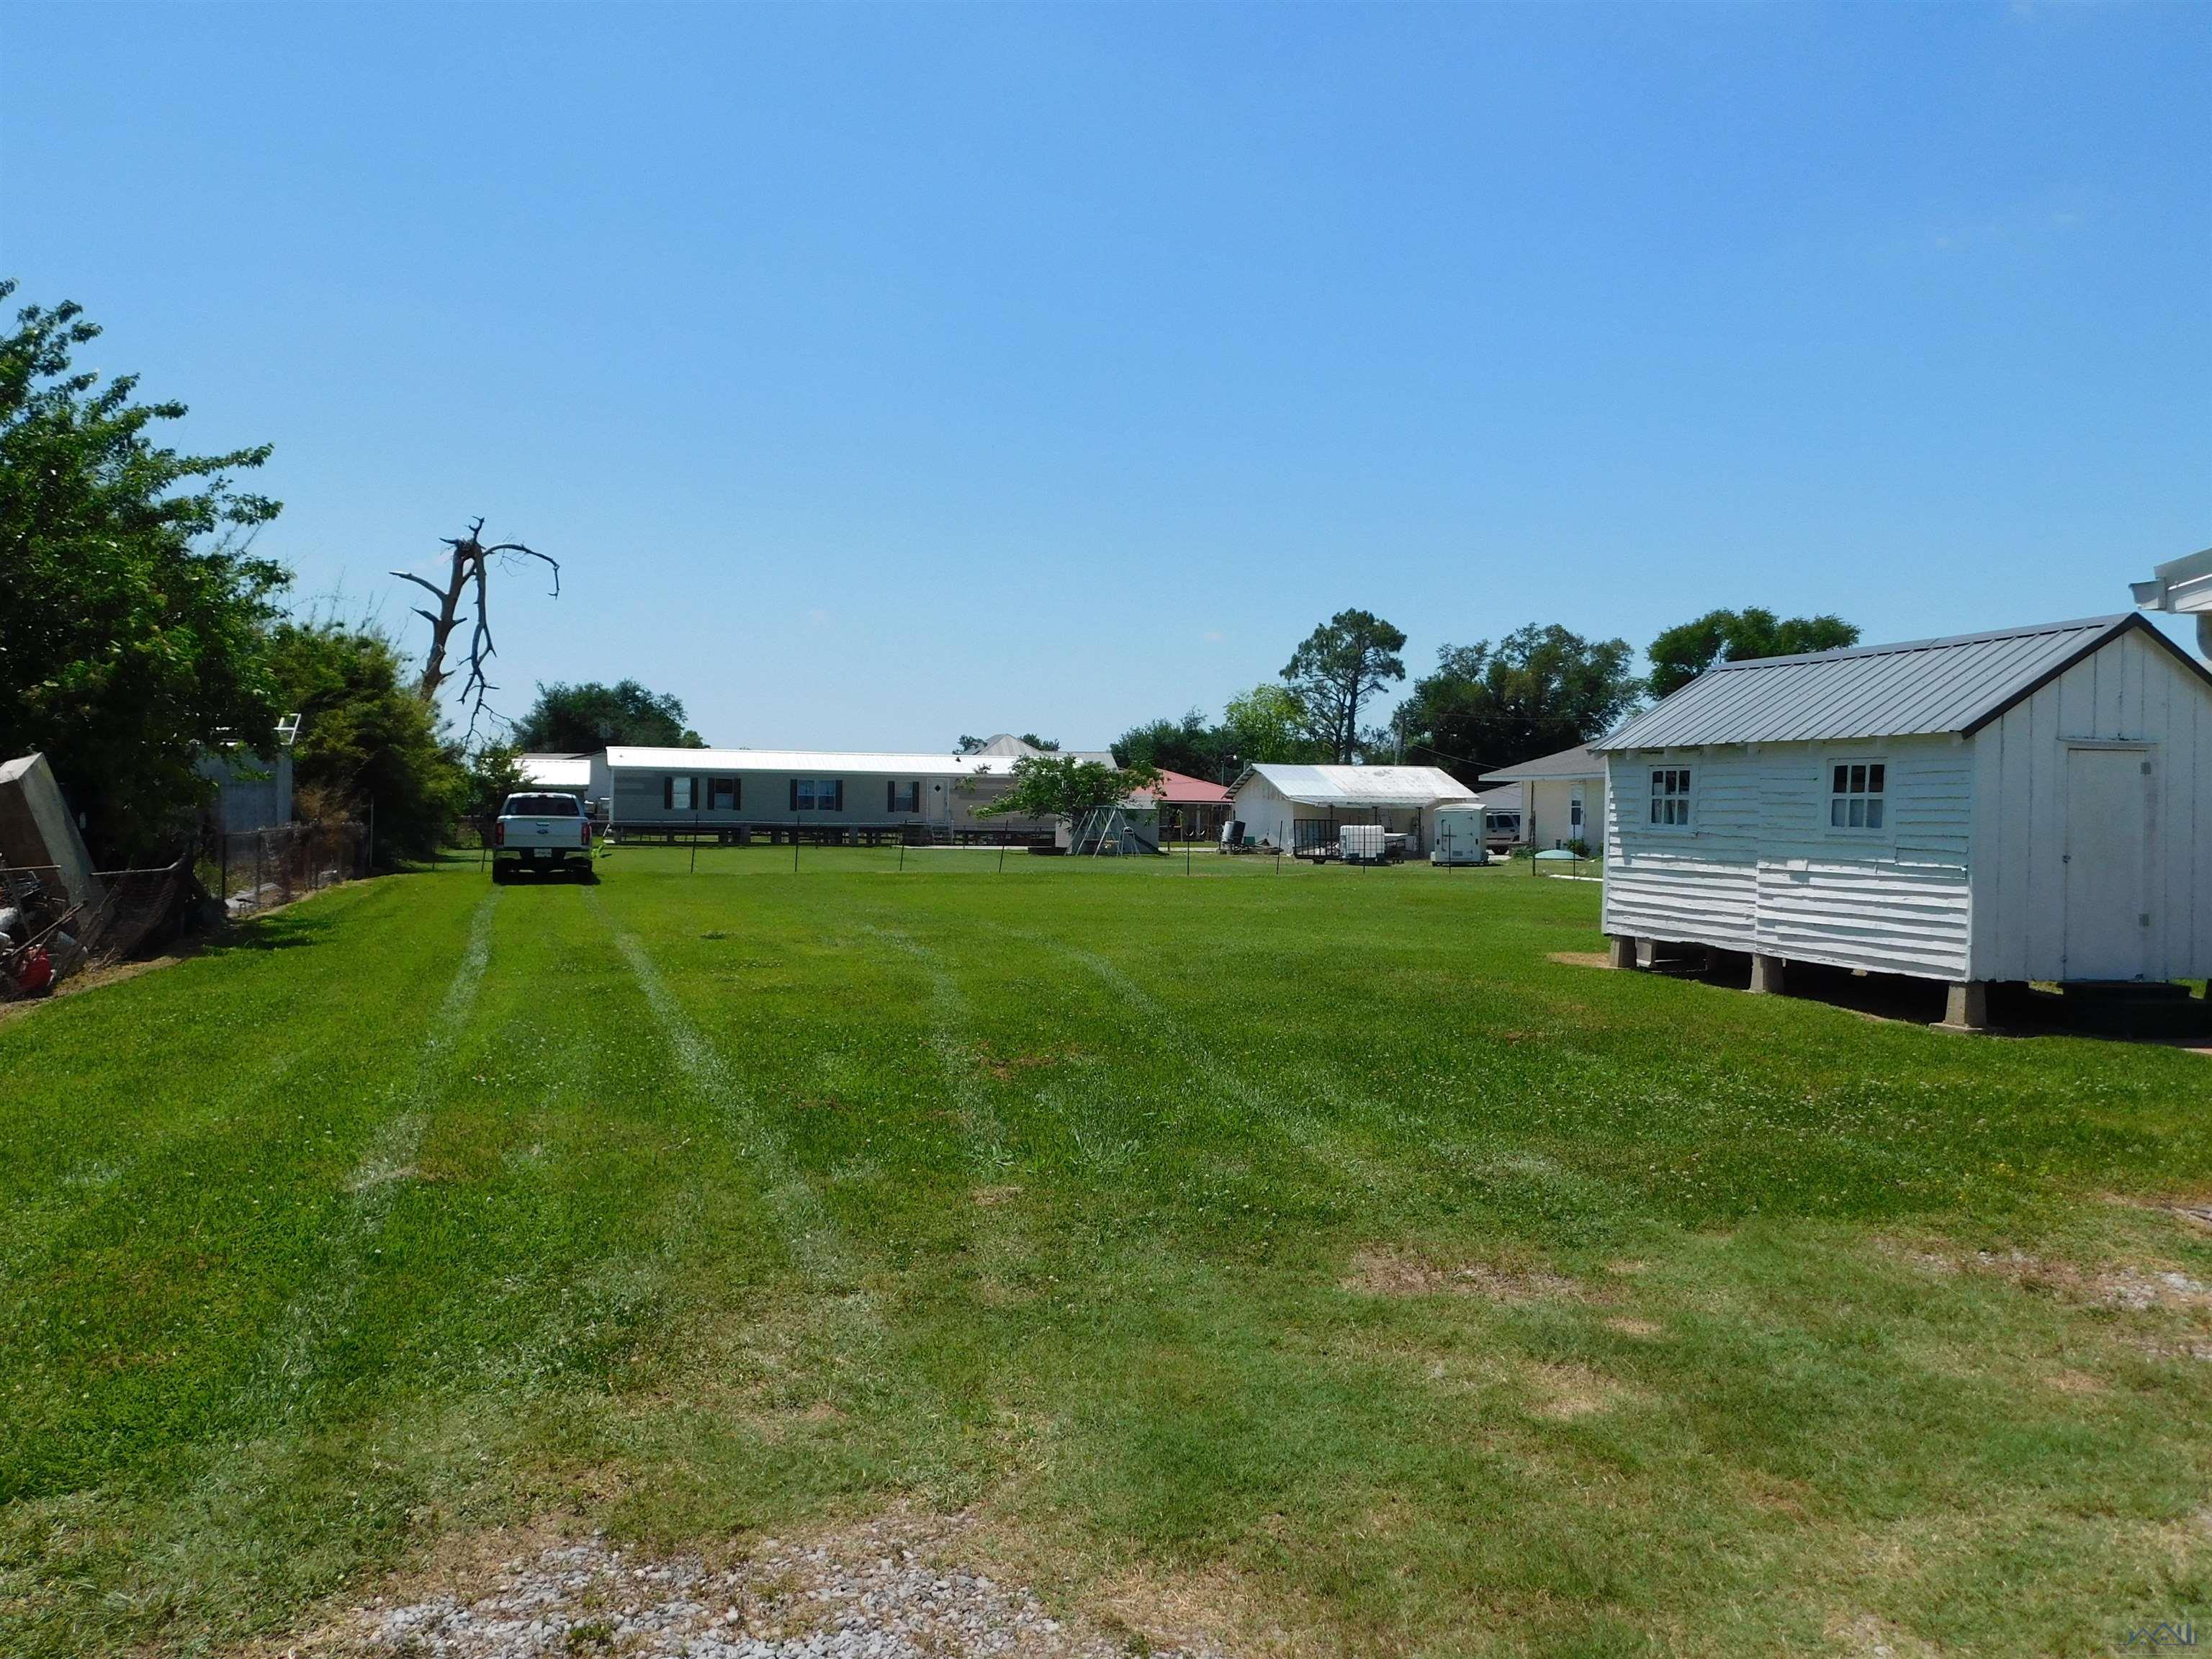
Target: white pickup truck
{"type": "Point", "coordinates": [542, 835]}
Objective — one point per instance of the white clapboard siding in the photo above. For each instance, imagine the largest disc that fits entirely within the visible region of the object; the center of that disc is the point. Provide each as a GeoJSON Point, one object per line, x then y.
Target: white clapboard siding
{"type": "Point", "coordinates": [2131, 692]}
{"type": "Point", "coordinates": [1762, 871]}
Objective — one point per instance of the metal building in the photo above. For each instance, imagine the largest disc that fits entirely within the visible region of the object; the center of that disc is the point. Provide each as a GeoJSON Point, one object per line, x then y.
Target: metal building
{"type": "Point", "coordinates": [1299, 807]}
{"type": "Point", "coordinates": [2034, 803]}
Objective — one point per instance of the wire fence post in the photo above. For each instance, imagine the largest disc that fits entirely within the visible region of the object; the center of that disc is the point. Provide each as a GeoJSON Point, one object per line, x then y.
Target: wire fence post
{"type": "Point", "coordinates": [794, 844]}
{"type": "Point", "coordinates": [1002, 852]}
{"type": "Point", "coordinates": [695, 843]}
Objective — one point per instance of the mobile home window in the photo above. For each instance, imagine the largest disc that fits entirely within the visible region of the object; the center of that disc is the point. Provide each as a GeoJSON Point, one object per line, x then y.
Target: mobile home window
{"type": "Point", "coordinates": [1855, 798]}
{"type": "Point", "coordinates": [902, 797]}
{"type": "Point", "coordinates": [1670, 795]}
{"type": "Point", "coordinates": [679, 794]}
{"type": "Point", "coordinates": [725, 795]}
{"type": "Point", "coordinates": [817, 794]}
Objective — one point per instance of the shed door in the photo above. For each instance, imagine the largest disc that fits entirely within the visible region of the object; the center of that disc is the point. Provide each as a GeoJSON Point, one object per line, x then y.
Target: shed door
{"type": "Point", "coordinates": [2107, 863]}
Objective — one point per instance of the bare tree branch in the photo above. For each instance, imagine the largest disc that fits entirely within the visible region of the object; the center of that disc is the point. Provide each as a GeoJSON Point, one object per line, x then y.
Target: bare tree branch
{"type": "Point", "coordinates": [470, 569]}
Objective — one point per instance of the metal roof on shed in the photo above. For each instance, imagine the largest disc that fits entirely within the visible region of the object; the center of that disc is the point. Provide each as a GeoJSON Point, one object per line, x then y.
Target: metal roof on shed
{"type": "Point", "coordinates": [1920, 688]}
{"type": "Point", "coordinates": [1362, 786]}
{"type": "Point", "coordinates": [1564, 765]}
{"type": "Point", "coordinates": [800, 762]}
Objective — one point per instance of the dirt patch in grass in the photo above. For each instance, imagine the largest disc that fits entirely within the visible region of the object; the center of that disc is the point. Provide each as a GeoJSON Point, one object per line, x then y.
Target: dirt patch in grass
{"type": "Point", "coordinates": [1863, 1636]}
{"type": "Point", "coordinates": [1636, 1328]}
{"type": "Point", "coordinates": [990, 1198]}
{"type": "Point", "coordinates": [900, 1583]}
{"type": "Point", "coordinates": [1205, 1610]}
{"type": "Point", "coordinates": [1581, 959]}
{"type": "Point", "coordinates": [2123, 1286]}
{"type": "Point", "coordinates": [1399, 1272]}
{"type": "Point", "coordinates": [2128, 1289]}
{"type": "Point", "coordinates": [1567, 1393]}
{"type": "Point", "coordinates": [93, 979]}
{"type": "Point", "coordinates": [2197, 1211]}
{"type": "Point", "coordinates": [1006, 1068]}
{"type": "Point", "coordinates": [2077, 1383]}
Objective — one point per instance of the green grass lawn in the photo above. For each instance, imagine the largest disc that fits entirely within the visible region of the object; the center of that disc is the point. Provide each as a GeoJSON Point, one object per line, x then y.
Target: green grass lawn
{"type": "Point", "coordinates": [1304, 1254]}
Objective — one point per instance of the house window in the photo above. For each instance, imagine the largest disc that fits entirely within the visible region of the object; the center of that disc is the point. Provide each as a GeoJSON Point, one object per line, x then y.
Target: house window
{"type": "Point", "coordinates": [1670, 796]}
{"type": "Point", "coordinates": [902, 797]}
{"type": "Point", "coordinates": [725, 795]}
{"type": "Point", "coordinates": [817, 794]}
{"type": "Point", "coordinates": [1855, 797]}
{"type": "Point", "coordinates": [679, 794]}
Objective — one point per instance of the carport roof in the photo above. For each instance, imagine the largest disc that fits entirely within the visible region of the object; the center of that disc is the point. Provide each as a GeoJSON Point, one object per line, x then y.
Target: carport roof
{"type": "Point", "coordinates": [801, 762]}
{"type": "Point", "coordinates": [1361, 786]}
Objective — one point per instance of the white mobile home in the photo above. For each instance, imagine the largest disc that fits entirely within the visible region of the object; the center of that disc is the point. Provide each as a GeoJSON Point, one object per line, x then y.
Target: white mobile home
{"type": "Point", "coordinates": [1295, 807]}
{"type": "Point", "coordinates": [2029, 805]}
{"type": "Point", "coordinates": [817, 793]}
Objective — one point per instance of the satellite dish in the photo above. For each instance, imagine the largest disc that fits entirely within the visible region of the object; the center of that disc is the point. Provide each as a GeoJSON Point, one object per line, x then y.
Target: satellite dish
{"type": "Point", "coordinates": [2182, 587]}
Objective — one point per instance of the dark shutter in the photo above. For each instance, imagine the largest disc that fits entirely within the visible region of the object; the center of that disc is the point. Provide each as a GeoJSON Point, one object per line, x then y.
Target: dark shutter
{"type": "Point", "coordinates": [837, 796]}
{"type": "Point", "coordinates": [795, 795]}
{"type": "Point", "coordinates": [667, 793]}
{"type": "Point", "coordinates": [737, 794]}
{"type": "Point", "coordinates": [890, 795]}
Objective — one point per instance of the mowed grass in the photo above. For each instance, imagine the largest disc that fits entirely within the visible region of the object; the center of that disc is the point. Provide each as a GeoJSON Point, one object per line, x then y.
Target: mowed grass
{"type": "Point", "coordinates": [1302, 1256]}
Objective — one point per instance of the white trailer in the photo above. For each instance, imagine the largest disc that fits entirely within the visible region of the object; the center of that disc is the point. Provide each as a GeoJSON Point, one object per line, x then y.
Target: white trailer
{"type": "Point", "coordinates": [1458, 838]}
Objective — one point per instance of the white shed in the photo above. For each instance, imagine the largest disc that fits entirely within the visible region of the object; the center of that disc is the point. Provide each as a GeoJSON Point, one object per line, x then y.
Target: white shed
{"type": "Point", "coordinates": [1300, 806]}
{"type": "Point", "coordinates": [2029, 805]}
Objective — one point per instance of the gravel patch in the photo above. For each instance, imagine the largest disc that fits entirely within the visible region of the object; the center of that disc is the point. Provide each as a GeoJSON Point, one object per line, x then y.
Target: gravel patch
{"type": "Point", "coordinates": [872, 1594]}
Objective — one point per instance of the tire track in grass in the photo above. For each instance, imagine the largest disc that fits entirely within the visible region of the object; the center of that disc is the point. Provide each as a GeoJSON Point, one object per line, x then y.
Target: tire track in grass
{"type": "Point", "coordinates": [1316, 1138]}
{"type": "Point", "coordinates": [817, 1246]}
{"type": "Point", "coordinates": [948, 1019]}
{"type": "Point", "coordinates": [289, 1364]}
{"type": "Point", "coordinates": [1001, 1239]}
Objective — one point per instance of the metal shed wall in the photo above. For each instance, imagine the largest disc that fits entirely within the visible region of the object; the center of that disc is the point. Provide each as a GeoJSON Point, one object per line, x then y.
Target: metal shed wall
{"type": "Point", "coordinates": [2132, 691]}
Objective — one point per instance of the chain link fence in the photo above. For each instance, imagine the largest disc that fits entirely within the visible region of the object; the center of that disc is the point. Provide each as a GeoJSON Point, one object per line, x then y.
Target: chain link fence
{"type": "Point", "coordinates": [252, 870]}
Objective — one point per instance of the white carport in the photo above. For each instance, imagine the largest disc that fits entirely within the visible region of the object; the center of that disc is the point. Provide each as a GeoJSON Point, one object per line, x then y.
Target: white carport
{"type": "Point", "coordinates": [1303, 806]}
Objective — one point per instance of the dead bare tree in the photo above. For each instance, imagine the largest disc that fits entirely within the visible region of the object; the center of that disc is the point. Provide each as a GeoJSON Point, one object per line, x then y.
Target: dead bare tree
{"type": "Point", "coordinates": [471, 568]}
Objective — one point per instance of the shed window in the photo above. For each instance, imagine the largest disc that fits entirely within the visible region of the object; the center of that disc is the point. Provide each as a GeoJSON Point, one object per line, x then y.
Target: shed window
{"type": "Point", "coordinates": [679, 794]}
{"type": "Point", "coordinates": [1670, 796]}
{"type": "Point", "coordinates": [1855, 800]}
{"type": "Point", "coordinates": [817, 794]}
{"type": "Point", "coordinates": [725, 795]}
{"type": "Point", "coordinates": [902, 797]}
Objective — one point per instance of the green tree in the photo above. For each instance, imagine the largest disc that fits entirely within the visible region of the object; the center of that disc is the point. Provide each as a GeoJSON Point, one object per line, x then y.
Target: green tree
{"type": "Point", "coordinates": [579, 719]}
{"type": "Point", "coordinates": [1065, 786]}
{"type": "Point", "coordinates": [1537, 691]}
{"type": "Point", "coordinates": [131, 635]}
{"type": "Point", "coordinates": [1682, 653]}
{"type": "Point", "coordinates": [1189, 744]}
{"type": "Point", "coordinates": [494, 772]}
{"type": "Point", "coordinates": [1268, 724]}
{"type": "Point", "coordinates": [1344, 662]}
{"type": "Point", "coordinates": [369, 746]}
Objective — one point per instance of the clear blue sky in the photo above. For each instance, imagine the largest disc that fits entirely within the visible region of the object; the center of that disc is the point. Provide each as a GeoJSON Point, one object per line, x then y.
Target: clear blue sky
{"type": "Point", "coordinates": [879, 375]}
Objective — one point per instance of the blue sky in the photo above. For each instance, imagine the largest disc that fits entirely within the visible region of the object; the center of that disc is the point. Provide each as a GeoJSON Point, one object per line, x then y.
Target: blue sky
{"type": "Point", "coordinates": [880, 374]}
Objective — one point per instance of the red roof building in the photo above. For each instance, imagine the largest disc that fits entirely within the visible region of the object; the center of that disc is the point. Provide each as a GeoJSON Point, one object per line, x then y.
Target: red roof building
{"type": "Point", "coordinates": [1189, 807]}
